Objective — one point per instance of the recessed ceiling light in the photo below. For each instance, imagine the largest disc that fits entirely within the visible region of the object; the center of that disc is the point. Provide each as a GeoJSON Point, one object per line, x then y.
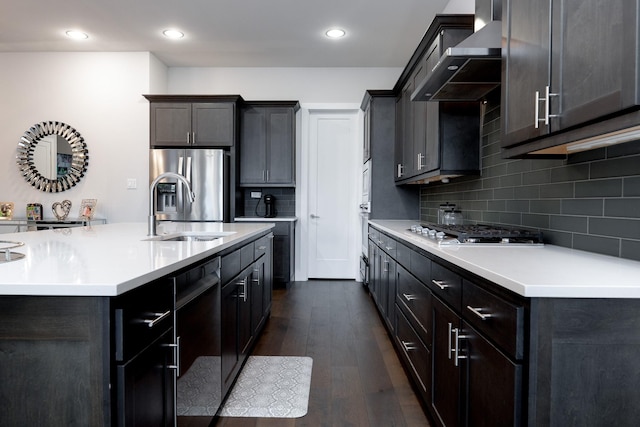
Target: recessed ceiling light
{"type": "Point", "coordinates": [335, 33]}
{"type": "Point", "coordinates": [173, 34]}
{"type": "Point", "coordinates": [77, 35]}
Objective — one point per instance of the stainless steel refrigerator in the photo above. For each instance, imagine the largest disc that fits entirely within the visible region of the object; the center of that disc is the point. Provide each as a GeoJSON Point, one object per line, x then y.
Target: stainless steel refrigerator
{"type": "Point", "coordinates": [207, 172]}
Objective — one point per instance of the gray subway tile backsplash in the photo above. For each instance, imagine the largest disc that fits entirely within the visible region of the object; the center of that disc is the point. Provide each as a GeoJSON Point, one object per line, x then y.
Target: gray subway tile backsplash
{"type": "Point", "coordinates": [589, 201]}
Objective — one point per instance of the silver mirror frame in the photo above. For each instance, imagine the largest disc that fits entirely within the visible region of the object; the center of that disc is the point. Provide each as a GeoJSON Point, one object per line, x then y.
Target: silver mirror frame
{"type": "Point", "coordinates": [79, 156]}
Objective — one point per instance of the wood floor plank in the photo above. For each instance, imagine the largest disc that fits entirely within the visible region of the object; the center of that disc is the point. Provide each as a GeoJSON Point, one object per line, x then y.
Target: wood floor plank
{"type": "Point", "coordinates": [357, 378]}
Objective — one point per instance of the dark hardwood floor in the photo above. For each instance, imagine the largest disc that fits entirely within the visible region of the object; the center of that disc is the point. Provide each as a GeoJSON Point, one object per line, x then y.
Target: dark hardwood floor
{"type": "Point", "coordinates": [357, 377]}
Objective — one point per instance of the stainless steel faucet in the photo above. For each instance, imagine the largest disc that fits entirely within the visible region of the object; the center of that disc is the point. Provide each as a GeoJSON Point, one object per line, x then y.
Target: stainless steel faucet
{"type": "Point", "coordinates": [152, 197]}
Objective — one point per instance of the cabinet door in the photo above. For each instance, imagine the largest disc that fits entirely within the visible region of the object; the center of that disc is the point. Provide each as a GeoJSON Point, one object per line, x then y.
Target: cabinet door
{"type": "Point", "coordinates": [257, 297]}
{"type": "Point", "coordinates": [170, 124]}
{"type": "Point", "coordinates": [430, 159]}
{"type": "Point", "coordinates": [280, 146]}
{"type": "Point", "coordinates": [391, 293]}
{"type": "Point", "coordinates": [526, 57]}
{"type": "Point", "coordinates": [408, 160]}
{"type": "Point", "coordinates": [419, 122]}
{"type": "Point", "coordinates": [366, 147]}
{"type": "Point", "coordinates": [594, 52]}
{"type": "Point", "coordinates": [253, 147]}
{"type": "Point", "coordinates": [229, 336]}
{"type": "Point", "coordinates": [445, 399]}
{"type": "Point", "coordinates": [245, 333]}
{"type": "Point", "coordinates": [146, 386]}
{"type": "Point", "coordinates": [494, 389]}
{"type": "Point", "coordinates": [399, 170]}
{"type": "Point", "coordinates": [213, 124]}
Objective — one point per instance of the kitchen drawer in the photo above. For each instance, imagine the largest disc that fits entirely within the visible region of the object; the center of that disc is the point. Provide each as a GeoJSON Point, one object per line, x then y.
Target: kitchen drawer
{"type": "Point", "coordinates": [141, 316]}
{"type": "Point", "coordinates": [447, 285]}
{"type": "Point", "coordinates": [388, 244]}
{"type": "Point", "coordinates": [261, 246]}
{"type": "Point", "coordinates": [247, 254]}
{"type": "Point", "coordinates": [500, 320]}
{"type": "Point", "coordinates": [230, 266]}
{"type": "Point", "coordinates": [414, 299]}
{"type": "Point", "coordinates": [420, 266]}
{"type": "Point", "coordinates": [374, 235]}
{"type": "Point", "coordinates": [403, 255]}
{"type": "Point", "coordinates": [414, 352]}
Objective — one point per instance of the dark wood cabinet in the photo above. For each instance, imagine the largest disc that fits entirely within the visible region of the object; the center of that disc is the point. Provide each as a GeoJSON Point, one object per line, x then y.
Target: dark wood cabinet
{"type": "Point", "coordinates": [461, 343]}
{"type": "Point", "coordinates": [387, 200]}
{"type": "Point", "coordinates": [570, 71]}
{"type": "Point", "coordinates": [246, 303]}
{"type": "Point", "coordinates": [446, 393]}
{"type": "Point", "coordinates": [193, 121]}
{"type": "Point", "coordinates": [267, 144]}
{"type": "Point", "coordinates": [283, 248]}
{"type": "Point", "coordinates": [492, 383]}
{"type": "Point", "coordinates": [439, 140]}
{"type": "Point", "coordinates": [145, 386]}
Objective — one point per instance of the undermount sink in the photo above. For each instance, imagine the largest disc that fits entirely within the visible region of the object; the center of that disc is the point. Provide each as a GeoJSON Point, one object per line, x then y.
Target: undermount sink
{"type": "Point", "coordinates": [191, 236]}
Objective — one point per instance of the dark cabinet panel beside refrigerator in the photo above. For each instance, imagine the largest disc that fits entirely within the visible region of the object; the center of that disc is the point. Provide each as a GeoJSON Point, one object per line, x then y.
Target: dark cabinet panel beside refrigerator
{"type": "Point", "coordinates": [208, 172]}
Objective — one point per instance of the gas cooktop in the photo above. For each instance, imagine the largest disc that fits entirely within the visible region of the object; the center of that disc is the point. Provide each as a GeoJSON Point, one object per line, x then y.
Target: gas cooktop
{"type": "Point", "coordinates": [478, 234]}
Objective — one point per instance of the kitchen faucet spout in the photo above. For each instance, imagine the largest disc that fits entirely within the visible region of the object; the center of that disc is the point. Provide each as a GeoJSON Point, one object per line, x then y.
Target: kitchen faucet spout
{"type": "Point", "coordinates": [152, 197]}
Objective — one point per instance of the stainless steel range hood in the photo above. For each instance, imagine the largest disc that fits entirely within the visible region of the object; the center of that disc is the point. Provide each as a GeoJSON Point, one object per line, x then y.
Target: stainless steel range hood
{"type": "Point", "coordinates": [471, 69]}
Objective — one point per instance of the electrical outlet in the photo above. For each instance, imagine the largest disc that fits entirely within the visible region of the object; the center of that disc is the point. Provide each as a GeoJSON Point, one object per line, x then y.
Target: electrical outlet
{"type": "Point", "coordinates": [132, 184]}
{"type": "Point", "coordinates": [256, 194]}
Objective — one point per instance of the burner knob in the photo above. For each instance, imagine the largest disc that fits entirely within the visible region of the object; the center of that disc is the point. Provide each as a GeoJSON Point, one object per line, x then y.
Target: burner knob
{"type": "Point", "coordinates": [440, 235]}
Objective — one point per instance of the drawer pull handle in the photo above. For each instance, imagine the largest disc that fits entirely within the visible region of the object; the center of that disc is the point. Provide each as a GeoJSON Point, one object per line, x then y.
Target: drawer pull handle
{"type": "Point", "coordinates": [262, 248]}
{"type": "Point", "coordinates": [440, 283]}
{"type": "Point", "coordinates": [409, 297]}
{"type": "Point", "coordinates": [456, 350]}
{"type": "Point", "coordinates": [476, 311]}
{"type": "Point", "coordinates": [159, 317]}
{"type": "Point", "coordinates": [408, 346]}
{"type": "Point", "coordinates": [176, 348]}
{"type": "Point", "coordinates": [388, 248]}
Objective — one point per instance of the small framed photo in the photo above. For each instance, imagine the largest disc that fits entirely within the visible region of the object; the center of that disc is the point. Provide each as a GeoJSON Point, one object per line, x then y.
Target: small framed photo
{"type": "Point", "coordinates": [34, 211]}
{"type": "Point", "coordinates": [6, 210]}
{"type": "Point", "coordinates": [88, 208]}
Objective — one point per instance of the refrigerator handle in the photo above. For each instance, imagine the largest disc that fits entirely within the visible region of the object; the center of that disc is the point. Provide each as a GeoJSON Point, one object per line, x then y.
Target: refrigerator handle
{"type": "Point", "coordinates": [180, 165]}
{"type": "Point", "coordinates": [188, 171]}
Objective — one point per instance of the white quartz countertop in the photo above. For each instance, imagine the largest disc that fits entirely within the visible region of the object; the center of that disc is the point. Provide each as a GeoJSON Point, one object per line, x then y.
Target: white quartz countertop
{"type": "Point", "coordinates": [109, 259]}
{"type": "Point", "coordinates": [534, 271]}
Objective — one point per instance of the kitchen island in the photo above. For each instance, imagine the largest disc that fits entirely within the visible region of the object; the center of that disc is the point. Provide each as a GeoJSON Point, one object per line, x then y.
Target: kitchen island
{"type": "Point", "coordinates": [510, 335]}
{"type": "Point", "coordinates": [88, 317]}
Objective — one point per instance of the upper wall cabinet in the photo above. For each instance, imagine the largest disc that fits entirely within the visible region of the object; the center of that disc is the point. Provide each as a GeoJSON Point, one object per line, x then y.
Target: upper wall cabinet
{"type": "Point", "coordinates": [193, 121]}
{"type": "Point", "coordinates": [571, 71]}
{"type": "Point", "coordinates": [267, 144]}
{"type": "Point", "coordinates": [435, 140]}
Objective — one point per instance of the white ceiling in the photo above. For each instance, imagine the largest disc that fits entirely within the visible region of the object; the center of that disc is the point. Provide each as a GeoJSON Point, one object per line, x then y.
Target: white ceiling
{"type": "Point", "coordinates": [228, 33]}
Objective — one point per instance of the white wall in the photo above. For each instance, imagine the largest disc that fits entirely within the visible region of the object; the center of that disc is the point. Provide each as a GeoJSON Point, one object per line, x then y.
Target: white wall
{"type": "Point", "coordinates": [307, 85]}
{"type": "Point", "coordinates": [100, 95]}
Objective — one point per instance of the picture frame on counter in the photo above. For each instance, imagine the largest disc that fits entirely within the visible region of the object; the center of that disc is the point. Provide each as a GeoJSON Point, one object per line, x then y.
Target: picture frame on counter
{"type": "Point", "coordinates": [34, 211]}
{"type": "Point", "coordinates": [6, 210]}
{"type": "Point", "coordinates": [88, 208]}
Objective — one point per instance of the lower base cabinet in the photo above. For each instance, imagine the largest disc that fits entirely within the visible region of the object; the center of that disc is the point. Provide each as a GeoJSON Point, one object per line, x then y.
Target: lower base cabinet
{"type": "Point", "coordinates": [466, 365]}
{"type": "Point", "coordinates": [115, 361]}
{"type": "Point", "coordinates": [446, 398]}
{"type": "Point", "coordinates": [246, 303]}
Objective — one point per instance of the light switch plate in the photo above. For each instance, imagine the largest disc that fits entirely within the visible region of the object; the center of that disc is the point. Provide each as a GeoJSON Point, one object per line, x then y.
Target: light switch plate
{"type": "Point", "coordinates": [132, 184]}
{"type": "Point", "coordinates": [256, 194]}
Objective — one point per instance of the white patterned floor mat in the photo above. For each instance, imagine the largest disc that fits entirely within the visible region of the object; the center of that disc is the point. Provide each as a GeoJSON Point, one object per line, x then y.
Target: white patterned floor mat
{"type": "Point", "coordinates": [271, 387]}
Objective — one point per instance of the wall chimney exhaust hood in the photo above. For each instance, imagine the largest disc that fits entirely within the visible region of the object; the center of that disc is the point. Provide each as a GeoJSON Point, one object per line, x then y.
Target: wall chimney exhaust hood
{"type": "Point", "coordinates": [471, 69]}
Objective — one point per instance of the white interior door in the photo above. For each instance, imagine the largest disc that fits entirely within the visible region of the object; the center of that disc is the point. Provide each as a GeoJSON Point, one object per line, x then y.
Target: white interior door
{"type": "Point", "coordinates": [332, 180]}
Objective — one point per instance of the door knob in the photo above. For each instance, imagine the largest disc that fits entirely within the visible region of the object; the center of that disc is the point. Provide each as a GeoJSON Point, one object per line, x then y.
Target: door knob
{"type": "Point", "coordinates": [314, 216]}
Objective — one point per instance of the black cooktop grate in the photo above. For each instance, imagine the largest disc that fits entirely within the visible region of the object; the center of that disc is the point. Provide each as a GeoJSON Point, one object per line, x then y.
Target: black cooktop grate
{"type": "Point", "coordinates": [487, 233]}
